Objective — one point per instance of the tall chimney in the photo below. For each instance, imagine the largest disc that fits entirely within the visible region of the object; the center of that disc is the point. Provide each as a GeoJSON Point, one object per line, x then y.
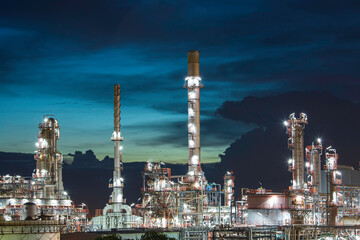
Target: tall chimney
{"type": "Point", "coordinates": [117, 194]}
{"type": "Point", "coordinates": [193, 85]}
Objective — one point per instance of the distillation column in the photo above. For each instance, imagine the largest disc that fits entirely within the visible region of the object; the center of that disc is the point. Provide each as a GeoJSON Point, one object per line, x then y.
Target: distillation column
{"type": "Point", "coordinates": [228, 189]}
{"type": "Point", "coordinates": [313, 166]}
{"type": "Point", "coordinates": [193, 85]}
{"type": "Point", "coordinates": [334, 182]}
{"type": "Point", "coordinates": [48, 159]}
{"type": "Point", "coordinates": [295, 130]}
{"type": "Point", "coordinates": [117, 194]}
{"type": "Point", "coordinates": [313, 155]}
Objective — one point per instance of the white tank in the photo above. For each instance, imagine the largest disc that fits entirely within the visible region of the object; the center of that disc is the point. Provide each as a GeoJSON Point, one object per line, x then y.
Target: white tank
{"type": "Point", "coordinates": [30, 210]}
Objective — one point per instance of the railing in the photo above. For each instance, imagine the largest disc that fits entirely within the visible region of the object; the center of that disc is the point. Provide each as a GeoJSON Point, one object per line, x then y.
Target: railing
{"type": "Point", "coordinates": [32, 222]}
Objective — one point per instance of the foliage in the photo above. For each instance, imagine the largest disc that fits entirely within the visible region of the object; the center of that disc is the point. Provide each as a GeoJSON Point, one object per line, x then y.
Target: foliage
{"type": "Point", "coordinates": [109, 237]}
{"type": "Point", "coordinates": [152, 235]}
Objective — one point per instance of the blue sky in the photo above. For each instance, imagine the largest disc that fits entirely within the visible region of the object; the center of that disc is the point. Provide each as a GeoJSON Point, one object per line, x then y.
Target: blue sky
{"type": "Point", "coordinates": [63, 57]}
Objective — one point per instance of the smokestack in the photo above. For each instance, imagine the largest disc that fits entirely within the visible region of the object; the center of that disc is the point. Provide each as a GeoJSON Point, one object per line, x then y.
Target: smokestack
{"type": "Point", "coordinates": [116, 108]}
{"type": "Point", "coordinates": [193, 63]}
{"type": "Point", "coordinates": [193, 84]}
{"type": "Point", "coordinates": [117, 194]}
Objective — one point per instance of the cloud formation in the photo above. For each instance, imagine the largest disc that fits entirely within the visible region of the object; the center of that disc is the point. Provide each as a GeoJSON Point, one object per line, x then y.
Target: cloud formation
{"type": "Point", "coordinates": [261, 154]}
{"type": "Point", "coordinates": [70, 52]}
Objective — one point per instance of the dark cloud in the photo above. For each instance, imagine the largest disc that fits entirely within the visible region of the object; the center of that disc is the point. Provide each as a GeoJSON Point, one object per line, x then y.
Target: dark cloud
{"type": "Point", "coordinates": [215, 131]}
{"type": "Point", "coordinates": [261, 153]}
{"type": "Point", "coordinates": [291, 44]}
{"type": "Point", "coordinates": [72, 51]}
{"type": "Point", "coordinates": [111, 21]}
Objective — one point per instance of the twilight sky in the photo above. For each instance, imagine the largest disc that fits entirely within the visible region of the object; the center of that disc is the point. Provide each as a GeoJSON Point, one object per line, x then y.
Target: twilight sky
{"type": "Point", "coordinates": [62, 57]}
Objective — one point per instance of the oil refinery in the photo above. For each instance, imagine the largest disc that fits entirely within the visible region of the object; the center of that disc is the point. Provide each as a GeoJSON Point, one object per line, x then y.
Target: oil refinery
{"type": "Point", "coordinates": [322, 201]}
{"type": "Point", "coordinates": [40, 200]}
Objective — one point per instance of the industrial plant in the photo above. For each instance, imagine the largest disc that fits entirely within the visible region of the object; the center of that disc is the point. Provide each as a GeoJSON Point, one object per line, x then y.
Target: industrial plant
{"type": "Point", "coordinates": [322, 201]}
{"type": "Point", "coordinates": [40, 200]}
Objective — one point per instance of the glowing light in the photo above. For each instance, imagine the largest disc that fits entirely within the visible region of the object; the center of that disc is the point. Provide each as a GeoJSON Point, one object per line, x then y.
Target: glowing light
{"type": "Point", "coordinates": [193, 81]}
{"type": "Point", "coordinates": [192, 94]}
{"type": "Point", "coordinates": [273, 200]}
{"type": "Point", "coordinates": [319, 140]}
{"type": "Point", "coordinates": [191, 144]}
{"type": "Point", "coordinates": [191, 112]}
{"type": "Point", "coordinates": [195, 160]}
{"type": "Point", "coordinates": [286, 123]}
{"type": "Point", "coordinates": [334, 197]}
{"type": "Point", "coordinates": [192, 128]}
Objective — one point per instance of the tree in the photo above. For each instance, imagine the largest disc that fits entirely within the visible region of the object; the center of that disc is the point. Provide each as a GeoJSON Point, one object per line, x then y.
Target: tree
{"type": "Point", "coordinates": [152, 235]}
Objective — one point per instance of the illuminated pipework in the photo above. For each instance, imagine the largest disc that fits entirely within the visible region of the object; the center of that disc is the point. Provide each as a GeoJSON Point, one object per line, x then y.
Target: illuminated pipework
{"type": "Point", "coordinates": [48, 160]}
{"type": "Point", "coordinates": [313, 165]}
{"type": "Point", "coordinates": [193, 84]}
{"type": "Point", "coordinates": [334, 178]}
{"type": "Point", "coordinates": [295, 130]}
{"type": "Point", "coordinates": [228, 188]}
{"type": "Point", "coordinates": [117, 194]}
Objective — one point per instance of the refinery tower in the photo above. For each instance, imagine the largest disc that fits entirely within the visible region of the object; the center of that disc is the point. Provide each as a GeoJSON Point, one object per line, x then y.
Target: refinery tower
{"type": "Point", "coordinates": [116, 214]}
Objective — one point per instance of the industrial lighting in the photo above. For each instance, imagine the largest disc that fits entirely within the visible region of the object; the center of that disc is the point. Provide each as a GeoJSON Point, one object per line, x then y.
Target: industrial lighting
{"type": "Point", "coordinates": [319, 140]}
{"type": "Point", "coordinates": [286, 123]}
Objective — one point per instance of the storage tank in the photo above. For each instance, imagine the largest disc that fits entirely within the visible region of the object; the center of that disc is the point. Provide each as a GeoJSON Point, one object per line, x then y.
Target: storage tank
{"type": "Point", "coordinates": [30, 210]}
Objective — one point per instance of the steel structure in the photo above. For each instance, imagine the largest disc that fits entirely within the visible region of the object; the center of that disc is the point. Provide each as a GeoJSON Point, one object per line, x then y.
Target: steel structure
{"type": "Point", "coordinates": [186, 200]}
{"type": "Point", "coordinates": [45, 187]}
{"type": "Point", "coordinates": [193, 85]}
{"type": "Point", "coordinates": [116, 214]}
{"type": "Point", "coordinates": [169, 202]}
{"type": "Point", "coordinates": [295, 130]}
{"type": "Point", "coordinates": [188, 204]}
{"type": "Point", "coordinates": [313, 166]}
